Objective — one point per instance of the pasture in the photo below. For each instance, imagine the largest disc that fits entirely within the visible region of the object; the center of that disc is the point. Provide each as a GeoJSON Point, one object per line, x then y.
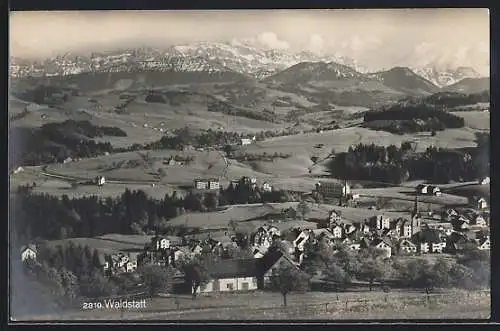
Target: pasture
{"type": "Point", "coordinates": [106, 244]}
{"type": "Point", "coordinates": [476, 120]}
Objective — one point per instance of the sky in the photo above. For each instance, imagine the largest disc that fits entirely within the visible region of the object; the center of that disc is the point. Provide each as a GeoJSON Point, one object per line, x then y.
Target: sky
{"type": "Point", "coordinates": [376, 38]}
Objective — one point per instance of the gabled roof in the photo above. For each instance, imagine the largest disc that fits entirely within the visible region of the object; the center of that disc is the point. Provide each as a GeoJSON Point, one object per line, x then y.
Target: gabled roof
{"type": "Point", "coordinates": [29, 246]}
{"type": "Point", "coordinates": [377, 241]}
{"type": "Point", "coordinates": [483, 240]}
{"type": "Point", "coordinates": [406, 242]}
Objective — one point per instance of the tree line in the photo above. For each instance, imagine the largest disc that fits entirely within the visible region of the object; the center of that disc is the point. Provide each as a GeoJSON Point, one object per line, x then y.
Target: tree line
{"type": "Point", "coordinates": [394, 164]}
{"type": "Point", "coordinates": [406, 117]}
{"type": "Point", "coordinates": [470, 270]}
{"type": "Point", "coordinates": [133, 212]}
{"type": "Point", "coordinates": [54, 142]}
{"type": "Point", "coordinates": [71, 272]}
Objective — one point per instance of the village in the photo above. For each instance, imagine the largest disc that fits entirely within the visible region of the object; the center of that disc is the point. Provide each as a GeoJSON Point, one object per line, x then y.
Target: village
{"type": "Point", "coordinates": [274, 243]}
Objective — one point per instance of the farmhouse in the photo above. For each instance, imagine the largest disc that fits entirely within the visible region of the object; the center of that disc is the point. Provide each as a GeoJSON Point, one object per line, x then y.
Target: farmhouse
{"type": "Point", "coordinates": [406, 246]}
{"type": "Point", "coordinates": [384, 245]}
{"type": "Point", "coordinates": [243, 274]}
{"type": "Point", "coordinates": [337, 231]}
{"type": "Point", "coordinates": [18, 170]}
{"type": "Point", "coordinates": [481, 204]}
{"type": "Point", "coordinates": [28, 252]}
{"type": "Point", "coordinates": [100, 180]}
{"type": "Point", "coordinates": [160, 243]}
{"type": "Point", "coordinates": [426, 189]}
{"type": "Point", "coordinates": [333, 189]}
{"type": "Point", "coordinates": [484, 181]}
{"type": "Point", "coordinates": [67, 160]}
{"type": "Point", "coordinates": [484, 243]}
{"type": "Point", "coordinates": [207, 184]}
{"type": "Point", "coordinates": [246, 141]}
{"type": "Point", "coordinates": [266, 187]}
{"type": "Point", "coordinates": [429, 241]}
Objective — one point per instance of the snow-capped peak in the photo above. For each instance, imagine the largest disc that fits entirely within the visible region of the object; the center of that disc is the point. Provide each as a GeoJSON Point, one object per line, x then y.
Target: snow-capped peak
{"type": "Point", "coordinates": [445, 75]}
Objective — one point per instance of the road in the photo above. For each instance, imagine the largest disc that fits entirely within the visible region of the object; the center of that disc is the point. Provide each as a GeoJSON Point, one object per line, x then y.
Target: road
{"type": "Point", "coordinates": [108, 180]}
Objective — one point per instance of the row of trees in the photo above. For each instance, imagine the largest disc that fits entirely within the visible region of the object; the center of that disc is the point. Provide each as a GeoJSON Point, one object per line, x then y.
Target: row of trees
{"type": "Point", "coordinates": [470, 270]}
{"type": "Point", "coordinates": [447, 100]}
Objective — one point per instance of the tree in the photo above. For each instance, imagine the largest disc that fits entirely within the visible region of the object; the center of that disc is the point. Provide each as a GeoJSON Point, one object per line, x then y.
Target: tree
{"type": "Point", "coordinates": [371, 270]}
{"type": "Point", "coordinates": [196, 273]}
{"type": "Point", "coordinates": [211, 201]}
{"type": "Point", "coordinates": [339, 276]}
{"type": "Point", "coordinates": [157, 279]}
{"type": "Point", "coordinates": [96, 285]}
{"type": "Point", "coordinates": [461, 276]}
{"type": "Point", "coordinates": [162, 173]}
{"type": "Point", "coordinates": [287, 278]}
{"type": "Point", "coordinates": [136, 228]}
{"type": "Point", "coordinates": [303, 208]}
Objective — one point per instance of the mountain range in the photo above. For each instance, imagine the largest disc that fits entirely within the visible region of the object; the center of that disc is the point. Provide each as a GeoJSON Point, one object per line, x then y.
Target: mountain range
{"type": "Point", "coordinates": [238, 56]}
{"type": "Point", "coordinates": [319, 78]}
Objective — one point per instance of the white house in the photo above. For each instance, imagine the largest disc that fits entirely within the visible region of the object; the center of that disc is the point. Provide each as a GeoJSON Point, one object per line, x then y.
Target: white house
{"type": "Point", "coordinates": [337, 231]}
{"type": "Point", "coordinates": [482, 203]}
{"type": "Point", "coordinates": [383, 245]}
{"type": "Point", "coordinates": [407, 246]}
{"type": "Point", "coordinates": [245, 141]}
{"type": "Point", "coordinates": [68, 160]}
{"type": "Point", "coordinates": [266, 187]}
{"type": "Point", "coordinates": [131, 266]}
{"type": "Point", "coordinates": [437, 247]}
{"type": "Point", "coordinates": [484, 181]}
{"type": "Point", "coordinates": [301, 240]}
{"type": "Point", "coordinates": [207, 184]}
{"type": "Point", "coordinates": [18, 170]}
{"type": "Point", "coordinates": [484, 244]}
{"type": "Point", "coordinates": [436, 191]}
{"type": "Point", "coordinates": [334, 217]}
{"type": "Point", "coordinates": [424, 248]}
{"type": "Point", "coordinates": [28, 252]}
{"type": "Point", "coordinates": [423, 189]}
{"type": "Point", "coordinates": [100, 180]}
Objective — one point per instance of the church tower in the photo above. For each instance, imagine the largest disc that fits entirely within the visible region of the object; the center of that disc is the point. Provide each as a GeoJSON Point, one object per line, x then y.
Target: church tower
{"type": "Point", "coordinates": [415, 217]}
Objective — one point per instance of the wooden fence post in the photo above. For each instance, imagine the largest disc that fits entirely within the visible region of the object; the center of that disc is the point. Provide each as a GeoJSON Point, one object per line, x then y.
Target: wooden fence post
{"type": "Point", "coordinates": [346, 301]}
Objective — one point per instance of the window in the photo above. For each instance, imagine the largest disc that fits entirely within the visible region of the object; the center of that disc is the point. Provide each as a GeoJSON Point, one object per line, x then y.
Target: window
{"type": "Point", "coordinates": [244, 286]}
{"type": "Point", "coordinates": [230, 286]}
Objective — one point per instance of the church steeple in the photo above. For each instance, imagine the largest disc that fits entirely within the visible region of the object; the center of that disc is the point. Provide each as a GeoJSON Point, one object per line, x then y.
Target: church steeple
{"type": "Point", "coordinates": [415, 206]}
{"type": "Point", "coordinates": [415, 217]}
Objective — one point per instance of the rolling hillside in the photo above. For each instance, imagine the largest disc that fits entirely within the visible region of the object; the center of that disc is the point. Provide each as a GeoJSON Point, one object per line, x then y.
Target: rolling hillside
{"type": "Point", "coordinates": [404, 80]}
{"type": "Point", "coordinates": [470, 85]}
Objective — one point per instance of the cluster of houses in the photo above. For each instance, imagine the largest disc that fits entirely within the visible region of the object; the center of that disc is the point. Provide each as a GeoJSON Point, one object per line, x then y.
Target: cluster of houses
{"type": "Point", "coordinates": [213, 184]}
{"type": "Point", "coordinates": [425, 189]}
